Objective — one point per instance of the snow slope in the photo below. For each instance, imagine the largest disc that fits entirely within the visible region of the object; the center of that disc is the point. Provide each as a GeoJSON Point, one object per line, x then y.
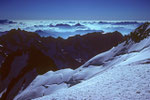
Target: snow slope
{"type": "Point", "coordinates": [118, 83]}
{"type": "Point", "coordinates": [122, 73]}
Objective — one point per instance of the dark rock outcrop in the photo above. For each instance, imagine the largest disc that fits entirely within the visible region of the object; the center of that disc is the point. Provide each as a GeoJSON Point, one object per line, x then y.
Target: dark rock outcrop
{"type": "Point", "coordinates": [24, 55]}
{"type": "Point", "coordinates": [139, 33]}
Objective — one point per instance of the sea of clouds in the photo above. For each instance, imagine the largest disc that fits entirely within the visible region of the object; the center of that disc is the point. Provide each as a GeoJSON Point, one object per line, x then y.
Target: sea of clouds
{"type": "Point", "coordinates": [67, 28]}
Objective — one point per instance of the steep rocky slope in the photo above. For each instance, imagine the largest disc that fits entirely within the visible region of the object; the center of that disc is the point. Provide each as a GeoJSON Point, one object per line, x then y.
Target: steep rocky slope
{"type": "Point", "coordinates": [24, 55]}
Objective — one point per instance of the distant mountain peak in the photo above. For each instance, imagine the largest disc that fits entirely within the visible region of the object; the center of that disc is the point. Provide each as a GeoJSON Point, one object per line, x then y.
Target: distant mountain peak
{"type": "Point", "coordinates": [78, 24]}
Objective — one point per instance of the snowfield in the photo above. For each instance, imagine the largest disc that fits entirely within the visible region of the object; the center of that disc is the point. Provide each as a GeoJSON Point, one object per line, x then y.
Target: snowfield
{"type": "Point", "coordinates": [118, 83]}
{"type": "Point", "coordinates": [127, 78]}
{"type": "Point", "coordinates": [122, 73]}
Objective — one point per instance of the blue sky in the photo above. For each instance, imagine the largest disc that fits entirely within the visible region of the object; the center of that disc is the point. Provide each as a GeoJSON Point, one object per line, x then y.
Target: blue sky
{"type": "Point", "coordinates": [75, 9]}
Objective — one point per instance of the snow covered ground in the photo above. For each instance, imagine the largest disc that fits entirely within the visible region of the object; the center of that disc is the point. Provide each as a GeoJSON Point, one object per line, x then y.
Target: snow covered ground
{"type": "Point", "coordinates": [118, 83]}
{"type": "Point", "coordinates": [122, 73]}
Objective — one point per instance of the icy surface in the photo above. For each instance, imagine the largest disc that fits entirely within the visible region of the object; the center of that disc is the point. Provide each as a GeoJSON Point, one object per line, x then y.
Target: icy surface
{"type": "Point", "coordinates": [46, 84]}
{"type": "Point", "coordinates": [118, 83]}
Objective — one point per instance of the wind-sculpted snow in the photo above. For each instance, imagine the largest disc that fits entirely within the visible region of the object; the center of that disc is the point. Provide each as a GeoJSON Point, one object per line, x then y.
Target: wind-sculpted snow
{"type": "Point", "coordinates": [128, 82]}
{"type": "Point", "coordinates": [51, 82]}
{"type": "Point", "coordinates": [46, 84]}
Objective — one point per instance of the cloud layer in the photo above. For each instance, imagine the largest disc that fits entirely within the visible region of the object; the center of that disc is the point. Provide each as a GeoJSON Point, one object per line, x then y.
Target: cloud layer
{"type": "Point", "coordinates": [65, 29]}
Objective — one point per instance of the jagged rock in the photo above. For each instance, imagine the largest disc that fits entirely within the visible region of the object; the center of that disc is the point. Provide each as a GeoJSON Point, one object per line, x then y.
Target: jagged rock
{"type": "Point", "coordinates": [28, 54]}
{"type": "Point", "coordinates": [140, 33]}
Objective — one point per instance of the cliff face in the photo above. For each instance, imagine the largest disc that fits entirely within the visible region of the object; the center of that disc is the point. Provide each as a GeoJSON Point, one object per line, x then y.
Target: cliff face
{"type": "Point", "coordinates": [24, 55]}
